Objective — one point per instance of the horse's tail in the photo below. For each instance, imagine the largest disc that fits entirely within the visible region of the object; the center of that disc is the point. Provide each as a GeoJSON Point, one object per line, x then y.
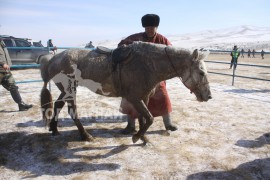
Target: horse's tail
{"type": "Point", "coordinates": [45, 96]}
{"type": "Point", "coordinates": [46, 104]}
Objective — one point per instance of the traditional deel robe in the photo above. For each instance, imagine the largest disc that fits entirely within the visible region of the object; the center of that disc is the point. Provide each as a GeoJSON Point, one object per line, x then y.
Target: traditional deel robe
{"type": "Point", "coordinates": [159, 104]}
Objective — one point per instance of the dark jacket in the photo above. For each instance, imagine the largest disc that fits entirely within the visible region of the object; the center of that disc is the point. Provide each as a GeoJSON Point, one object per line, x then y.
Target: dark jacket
{"type": "Point", "coordinates": [4, 56]}
{"type": "Point", "coordinates": [235, 53]}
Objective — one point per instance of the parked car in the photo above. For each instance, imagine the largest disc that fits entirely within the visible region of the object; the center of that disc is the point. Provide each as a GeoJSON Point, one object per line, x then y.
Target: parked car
{"type": "Point", "coordinates": [21, 51]}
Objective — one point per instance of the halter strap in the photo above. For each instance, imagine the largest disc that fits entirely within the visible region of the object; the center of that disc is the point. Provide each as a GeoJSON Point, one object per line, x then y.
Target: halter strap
{"type": "Point", "coordinates": [190, 75]}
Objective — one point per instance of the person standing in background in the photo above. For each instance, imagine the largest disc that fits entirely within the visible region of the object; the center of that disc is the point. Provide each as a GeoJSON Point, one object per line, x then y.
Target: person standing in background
{"type": "Point", "coordinates": [262, 54]}
{"type": "Point", "coordinates": [253, 53]}
{"type": "Point", "coordinates": [242, 53]}
{"type": "Point", "coordinates": [51, 46]}
{"type": "Point", "coordinates": [7, 79]}
{"type": "Point", "coordinates": [234, 54]}
{"type": "Point", "coordinates": [249, 53]}
{"type": "Point", "coordinates": [90, 45]}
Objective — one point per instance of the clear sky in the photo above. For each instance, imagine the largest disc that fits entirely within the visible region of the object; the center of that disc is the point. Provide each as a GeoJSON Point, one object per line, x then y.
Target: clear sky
{"type": "Point", "coordinates": [74, 22]}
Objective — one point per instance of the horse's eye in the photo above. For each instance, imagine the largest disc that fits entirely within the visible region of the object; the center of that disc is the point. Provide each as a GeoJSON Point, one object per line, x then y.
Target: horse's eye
{"type": "Point", "coordinates": [202, 73]}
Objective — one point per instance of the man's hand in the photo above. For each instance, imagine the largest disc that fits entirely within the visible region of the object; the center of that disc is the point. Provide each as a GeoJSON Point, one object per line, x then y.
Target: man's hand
{"type": "Point", "coordinates": [6, 67]}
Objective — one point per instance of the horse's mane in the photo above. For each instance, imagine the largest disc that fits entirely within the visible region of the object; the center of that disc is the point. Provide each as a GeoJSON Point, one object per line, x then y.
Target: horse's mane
{"type": "Point", "coordinates": [145, 47]}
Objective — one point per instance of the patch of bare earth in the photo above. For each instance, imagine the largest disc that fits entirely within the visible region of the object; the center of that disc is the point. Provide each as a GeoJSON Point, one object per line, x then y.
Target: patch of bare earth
{"type": "Point", "coordinates": [227, 137]}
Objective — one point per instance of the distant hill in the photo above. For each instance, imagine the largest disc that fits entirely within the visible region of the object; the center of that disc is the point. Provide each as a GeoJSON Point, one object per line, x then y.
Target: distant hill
{"type": "Point", "coordinates": [244, 36]}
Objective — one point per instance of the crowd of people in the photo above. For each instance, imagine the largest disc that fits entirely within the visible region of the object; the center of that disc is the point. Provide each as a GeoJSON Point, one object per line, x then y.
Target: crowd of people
{"type": "Point", "coordinates": [253, 52]}
{"type": "Point", "coordinates": [235, 53]}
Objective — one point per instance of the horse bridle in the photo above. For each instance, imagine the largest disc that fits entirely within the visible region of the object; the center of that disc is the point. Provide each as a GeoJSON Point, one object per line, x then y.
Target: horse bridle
{"type": "Point", "coordinates": [190, 75]}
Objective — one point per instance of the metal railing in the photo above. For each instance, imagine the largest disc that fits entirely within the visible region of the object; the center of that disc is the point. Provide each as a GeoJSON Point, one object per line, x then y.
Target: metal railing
{"type": "Point", "coordinates": [234, 75]}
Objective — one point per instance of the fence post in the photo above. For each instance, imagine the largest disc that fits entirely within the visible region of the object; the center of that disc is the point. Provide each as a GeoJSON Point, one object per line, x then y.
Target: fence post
{"type": "Point", "coordinates": [233, 76]}
{"type": "Point", "coordinates": [234, 68]}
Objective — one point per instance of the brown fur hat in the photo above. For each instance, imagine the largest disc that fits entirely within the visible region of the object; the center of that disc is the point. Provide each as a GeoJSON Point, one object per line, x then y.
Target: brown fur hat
{"type": "Point", "coordinates": [150, 20]}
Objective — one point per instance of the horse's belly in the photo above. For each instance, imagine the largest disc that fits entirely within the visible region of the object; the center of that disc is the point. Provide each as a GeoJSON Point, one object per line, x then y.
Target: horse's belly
{"type": "Point", "coordinates": [71, 81]}
{"type": "Point", "coordinates": [96, 87]}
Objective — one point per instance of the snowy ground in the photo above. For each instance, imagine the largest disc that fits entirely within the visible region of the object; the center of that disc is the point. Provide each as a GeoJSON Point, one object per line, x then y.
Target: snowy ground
{"type": "Point", "coordinates": [227, 137]}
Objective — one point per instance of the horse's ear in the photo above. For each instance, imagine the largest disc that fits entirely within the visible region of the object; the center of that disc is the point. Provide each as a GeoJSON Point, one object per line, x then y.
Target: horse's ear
{"type": "Point", "coordinates": [195, 54]}
{"type": "Point", "coordinates": [203, 55]}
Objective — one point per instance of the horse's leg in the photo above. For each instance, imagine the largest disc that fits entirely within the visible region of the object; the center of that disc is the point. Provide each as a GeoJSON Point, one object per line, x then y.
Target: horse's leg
{"type": "Point", "coordinates": [58, 105]}
{"type": "Point", "coordinates": [142, 109]}
{"type": "Point", "coordinates": [72, 110]}
{"type": "Point", "coordinates": [141, 124]}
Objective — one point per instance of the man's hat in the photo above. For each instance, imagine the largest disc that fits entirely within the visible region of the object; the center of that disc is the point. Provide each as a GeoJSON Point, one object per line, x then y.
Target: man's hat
{"type": "Point", "coordinates": [150, 20]}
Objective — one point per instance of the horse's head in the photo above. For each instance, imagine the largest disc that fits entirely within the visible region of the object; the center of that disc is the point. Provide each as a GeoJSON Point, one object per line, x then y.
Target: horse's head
{"type": "Point", "coordinates": [196, 79]}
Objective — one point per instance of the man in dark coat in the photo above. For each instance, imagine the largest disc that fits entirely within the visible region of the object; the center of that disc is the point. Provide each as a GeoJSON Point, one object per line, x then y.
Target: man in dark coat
{"type": "Point", "coordinates": [249, 53]}
{"type": "Point", "coordinates": [262, 54]}
{"type": "Point", "coordinates": [253, 53]}
{"type": "Point", "coordinates": [7, 80]}
{"type": "Point", "coordinates": [51, 46]}
{"type": "Point", "coordinates": [234, 54]}
{"type": "Point", "coordinates": [159, 103]}
{"type": "Point", "coordinates": [90, 45]}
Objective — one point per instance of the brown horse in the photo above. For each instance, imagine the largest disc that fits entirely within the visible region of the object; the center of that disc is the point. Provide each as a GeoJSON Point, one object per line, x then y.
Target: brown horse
{"type": "Point", "coordinates": [131, 72]}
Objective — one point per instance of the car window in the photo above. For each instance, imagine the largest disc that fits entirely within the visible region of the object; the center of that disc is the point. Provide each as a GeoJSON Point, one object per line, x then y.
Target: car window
{"type": "Point", "coordinates": [22, 43]}
{"type": "Point", "coordinates": [8, 43]}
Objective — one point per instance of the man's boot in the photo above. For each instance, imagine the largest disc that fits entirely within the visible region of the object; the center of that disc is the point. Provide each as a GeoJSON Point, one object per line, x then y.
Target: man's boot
{"type": "Point", "coordinates": [130, 128]}
{"type": "Point", "coordinates": [17, 98]}
{"type": "Point", "coordinates": [168, 124]}
{"type": "Point", "coordinates": [24, 107]}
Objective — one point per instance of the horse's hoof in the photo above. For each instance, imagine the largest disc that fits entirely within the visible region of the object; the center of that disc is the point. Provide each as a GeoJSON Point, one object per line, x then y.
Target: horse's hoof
{"type": "Point", "coordinates": [144, 139]}
{"type": "Point", "coordinates": [90, 139]}
{"type": "Point", "coordinates": [148, 144]}
{"type": "Point", "coordinates": [135, 138]}
{"type": "Point", "coordinates": [55, 133]}
{"type": "Point", "coordinates": [87, 137]}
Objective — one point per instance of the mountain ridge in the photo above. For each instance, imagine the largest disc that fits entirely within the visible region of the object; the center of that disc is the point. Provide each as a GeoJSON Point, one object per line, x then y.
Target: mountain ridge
{"type": "Point", "coordinates": [245, 36]}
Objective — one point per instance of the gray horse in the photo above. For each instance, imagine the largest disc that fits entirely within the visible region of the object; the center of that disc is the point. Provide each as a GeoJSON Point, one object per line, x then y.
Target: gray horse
{"type": "Point", "coordinates": [131, 72]}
